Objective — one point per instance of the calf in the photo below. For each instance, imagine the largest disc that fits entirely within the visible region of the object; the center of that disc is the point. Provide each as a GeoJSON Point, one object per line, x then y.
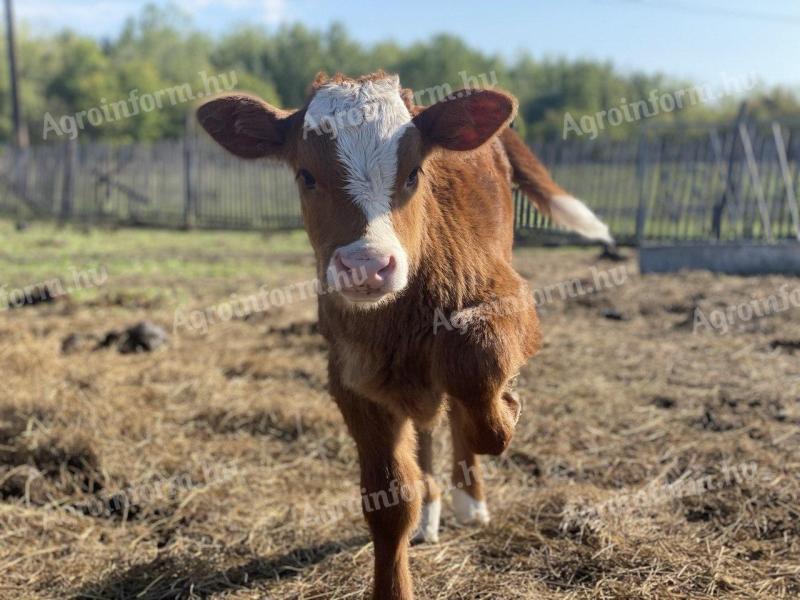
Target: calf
{"type": "Point", "coordinates": [409, 211]}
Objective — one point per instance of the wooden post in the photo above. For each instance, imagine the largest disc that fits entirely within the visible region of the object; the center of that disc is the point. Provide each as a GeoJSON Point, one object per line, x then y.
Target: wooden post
{"type": "Point", "coordinates": [641, 176]}
{"type": "Point", "coordinates": [730, 188]}
{"type": "Point", "coordinates": [783, 161]}
{"type": "Point", "coordinates": [68, 182]}
{"type": "Point", "coordinates": [189, 209]}
{"type": "Point", "coordinates": [753, 168]}
{"type": "Point", "coordinates": [20, 130]}
{"type": "Point", "coordinates": [719, 161]}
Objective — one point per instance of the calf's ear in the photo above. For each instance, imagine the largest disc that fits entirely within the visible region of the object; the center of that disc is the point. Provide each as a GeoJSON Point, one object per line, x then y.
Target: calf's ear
{"type": "Point", "coordinates": [466, 119]}
{"type": "Point", "coordinates": [245, 125]}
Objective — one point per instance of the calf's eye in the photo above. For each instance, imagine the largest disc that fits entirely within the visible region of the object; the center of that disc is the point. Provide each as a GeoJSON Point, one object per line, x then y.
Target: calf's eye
{"type": "Point", "coordinates": [412, 178]}
{"type": "Point", "coordinates": [308, 179]}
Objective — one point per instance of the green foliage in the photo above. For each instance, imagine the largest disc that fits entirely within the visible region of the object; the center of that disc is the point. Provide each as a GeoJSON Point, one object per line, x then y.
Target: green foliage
{"type": "Point", "coordinates": [66, 73]}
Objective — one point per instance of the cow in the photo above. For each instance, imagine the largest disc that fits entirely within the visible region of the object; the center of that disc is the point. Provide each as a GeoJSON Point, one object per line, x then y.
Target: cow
{"type": "Point", "coordinates": [409, 211]}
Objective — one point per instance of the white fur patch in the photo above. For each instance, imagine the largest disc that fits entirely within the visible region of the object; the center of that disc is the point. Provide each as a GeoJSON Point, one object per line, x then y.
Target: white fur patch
{"type": "Point", "coordinates": [368, 119]}
{"type": "Point", "coordinates": [574, 214]}
{"type": "Point", "coordinates": [475, 316]}
{"type": "Point", "coordinates": [428, 529]}
{"type": "Point", "coordinates": [468, 510]}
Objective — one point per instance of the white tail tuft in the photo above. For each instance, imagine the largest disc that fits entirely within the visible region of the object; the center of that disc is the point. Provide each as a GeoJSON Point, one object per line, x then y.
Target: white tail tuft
{"type": "Point", "coordinates": [574, 214]}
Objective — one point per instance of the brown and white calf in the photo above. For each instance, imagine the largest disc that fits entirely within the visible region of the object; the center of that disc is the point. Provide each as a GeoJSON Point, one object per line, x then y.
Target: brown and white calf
{"type": "Point", "coordinates": [409, 212]}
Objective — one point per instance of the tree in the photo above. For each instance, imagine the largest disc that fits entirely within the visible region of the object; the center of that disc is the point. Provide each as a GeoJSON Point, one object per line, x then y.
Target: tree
{"type": "Point", "coordinates": [158, 50]}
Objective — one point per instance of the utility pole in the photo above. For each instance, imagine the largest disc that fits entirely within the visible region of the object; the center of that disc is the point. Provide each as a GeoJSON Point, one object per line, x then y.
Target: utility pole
{"type": "Point", "coordinates": [20, 131]}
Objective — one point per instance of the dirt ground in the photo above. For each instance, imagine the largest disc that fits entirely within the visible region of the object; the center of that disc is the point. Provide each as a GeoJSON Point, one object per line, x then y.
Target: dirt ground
{"type": "Point", "coordinates": [657, 454]}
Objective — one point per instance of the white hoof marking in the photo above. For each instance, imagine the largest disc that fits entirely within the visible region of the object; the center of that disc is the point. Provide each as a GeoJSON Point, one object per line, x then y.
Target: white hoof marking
{"type": "Point", "coordinates": [428, 529]}
{"type": "Point", "coordinates": [468, 510]}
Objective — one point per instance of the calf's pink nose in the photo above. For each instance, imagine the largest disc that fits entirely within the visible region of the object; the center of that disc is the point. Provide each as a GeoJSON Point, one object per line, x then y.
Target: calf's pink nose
{"type": "Point", "coordinates": [366, 269]}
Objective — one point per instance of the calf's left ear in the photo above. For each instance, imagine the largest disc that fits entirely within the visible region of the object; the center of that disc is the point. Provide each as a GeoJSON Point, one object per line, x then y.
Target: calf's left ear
{"type": "Point", "coordinates": [466, 119]}
{"type": "Point", "coordinates": [245, 125]}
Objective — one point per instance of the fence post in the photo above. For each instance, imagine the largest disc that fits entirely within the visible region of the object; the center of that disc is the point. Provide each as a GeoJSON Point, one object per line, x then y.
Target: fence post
{"type": "Point", "coordinates": [752, 166]}
{"type": "Point", "coordinates": [783, 161]}
{"type": "Point", "coordinates": [189, 209]}
{"type": "Point", "coordinates": [641, 176]}
{"type": "Point", "coordinates": [19, 182]}
{"type": "Point", "coordinates": [68, 182]}
{"type": "Point", "coordinates": [730, 187]}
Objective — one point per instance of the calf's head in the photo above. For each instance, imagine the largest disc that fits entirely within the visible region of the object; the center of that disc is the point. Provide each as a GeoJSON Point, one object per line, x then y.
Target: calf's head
{"type": "Point", "coordinates": [358, 148]}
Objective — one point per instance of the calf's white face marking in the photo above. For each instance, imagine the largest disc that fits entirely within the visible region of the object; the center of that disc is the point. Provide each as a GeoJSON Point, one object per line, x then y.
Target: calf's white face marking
{"type": "Point", "coordinates": [368, 118]}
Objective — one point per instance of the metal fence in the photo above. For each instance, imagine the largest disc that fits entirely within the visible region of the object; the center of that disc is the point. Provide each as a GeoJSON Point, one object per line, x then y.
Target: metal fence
{"type": "Point", "coordinates": [689, 184]}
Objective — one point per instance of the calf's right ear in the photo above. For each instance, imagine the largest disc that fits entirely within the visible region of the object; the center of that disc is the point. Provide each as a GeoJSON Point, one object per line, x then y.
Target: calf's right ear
{"type": "Point", "coordinates": [245, 125]}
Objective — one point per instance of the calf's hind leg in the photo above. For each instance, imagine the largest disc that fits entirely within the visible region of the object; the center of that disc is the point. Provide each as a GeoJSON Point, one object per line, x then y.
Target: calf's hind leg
{"type": "Point", "coordinates": [428, 529]}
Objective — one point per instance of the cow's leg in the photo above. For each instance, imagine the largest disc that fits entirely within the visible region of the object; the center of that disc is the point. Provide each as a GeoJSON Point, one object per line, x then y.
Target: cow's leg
{"type": "Point", "coordinates": [476, 364]}
{"type": "Point", "coordinates": [428, 529]}
{"type": "Point", "coordinates": [468, 495]}
{"type": "Point", "coordinates": [488, 422]}
{"type": "Point", "coordinates": [391, 495]}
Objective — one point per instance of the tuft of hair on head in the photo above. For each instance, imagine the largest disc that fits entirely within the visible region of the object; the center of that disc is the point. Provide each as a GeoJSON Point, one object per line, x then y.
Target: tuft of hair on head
{"type": "Point", "coordinates": [322, 78]}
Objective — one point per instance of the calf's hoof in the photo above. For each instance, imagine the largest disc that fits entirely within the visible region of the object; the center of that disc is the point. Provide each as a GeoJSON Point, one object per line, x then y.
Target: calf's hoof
{"type": "Point", "coordinates": [469, 511]}
{"type": "Point", "coordinates": [428, 529]}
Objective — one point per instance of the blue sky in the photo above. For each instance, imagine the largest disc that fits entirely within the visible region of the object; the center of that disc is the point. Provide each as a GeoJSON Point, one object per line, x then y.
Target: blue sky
{"type": "Point", "coordinates": [702, 40]}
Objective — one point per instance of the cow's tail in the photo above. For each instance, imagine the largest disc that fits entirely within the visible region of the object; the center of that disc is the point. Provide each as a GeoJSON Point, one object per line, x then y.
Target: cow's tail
{"type": "Point", "coordinates": [551, 200]}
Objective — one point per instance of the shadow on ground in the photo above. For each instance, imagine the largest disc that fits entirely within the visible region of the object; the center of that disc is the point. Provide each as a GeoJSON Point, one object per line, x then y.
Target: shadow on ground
{"type": "Point", "coordinates": [173, 578]}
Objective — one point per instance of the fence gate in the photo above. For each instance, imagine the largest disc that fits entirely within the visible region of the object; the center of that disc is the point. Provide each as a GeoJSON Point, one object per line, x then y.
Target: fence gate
{"type": "Point", "coordinates": [738, 183]}
{"type": "Point", "coordinates": [723, 199]}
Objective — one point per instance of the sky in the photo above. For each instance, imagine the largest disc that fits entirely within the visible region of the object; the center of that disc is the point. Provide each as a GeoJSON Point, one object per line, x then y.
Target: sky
{"type": "Point", "coordinates": [706, 41]}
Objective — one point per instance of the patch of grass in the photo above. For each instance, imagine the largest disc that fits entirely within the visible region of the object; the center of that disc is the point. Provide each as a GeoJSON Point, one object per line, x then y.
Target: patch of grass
{"type": "Point", "coordinates": [145, 262]}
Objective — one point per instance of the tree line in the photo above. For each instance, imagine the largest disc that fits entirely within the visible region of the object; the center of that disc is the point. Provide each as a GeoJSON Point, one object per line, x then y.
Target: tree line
{"type": "Point", "coordinates": [159, 66]}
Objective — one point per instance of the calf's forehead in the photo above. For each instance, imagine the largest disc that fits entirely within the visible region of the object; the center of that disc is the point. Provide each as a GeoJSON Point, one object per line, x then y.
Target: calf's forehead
{"type": "Point", "coordinates": [358, 125]}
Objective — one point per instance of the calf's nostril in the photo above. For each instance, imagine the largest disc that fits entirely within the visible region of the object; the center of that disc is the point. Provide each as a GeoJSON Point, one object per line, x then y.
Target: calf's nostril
{"type": "Point", "coordinates": [364, 270]}
{"type": "Point", "coordinates": [342, 263]}
{"type": "Point", "coordinates": [388, 268]}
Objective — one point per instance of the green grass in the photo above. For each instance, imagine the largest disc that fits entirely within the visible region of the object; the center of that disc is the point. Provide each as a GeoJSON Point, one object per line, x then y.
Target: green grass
{"type": "Point", "coordinates": [141, 261]}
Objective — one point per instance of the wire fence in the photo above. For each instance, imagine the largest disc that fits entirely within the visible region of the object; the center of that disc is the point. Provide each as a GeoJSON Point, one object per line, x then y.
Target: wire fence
{"type": "Point", "coordinates": [738, 182]}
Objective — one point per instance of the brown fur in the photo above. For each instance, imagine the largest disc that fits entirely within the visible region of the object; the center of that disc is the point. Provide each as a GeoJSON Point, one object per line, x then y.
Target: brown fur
{"type": "Point", "coordinates": [431, 490]}
{"type": "Point", "coordinates": [390, 368]}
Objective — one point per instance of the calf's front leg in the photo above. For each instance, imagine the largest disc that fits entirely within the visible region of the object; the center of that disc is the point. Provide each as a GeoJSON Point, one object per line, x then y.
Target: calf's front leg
{"type": "Point", "coordinates": [468, 492]}
{"type": "Point", "coordinates": [477, 362]}
{"type": "Point", "coordinates": [390, 486]}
